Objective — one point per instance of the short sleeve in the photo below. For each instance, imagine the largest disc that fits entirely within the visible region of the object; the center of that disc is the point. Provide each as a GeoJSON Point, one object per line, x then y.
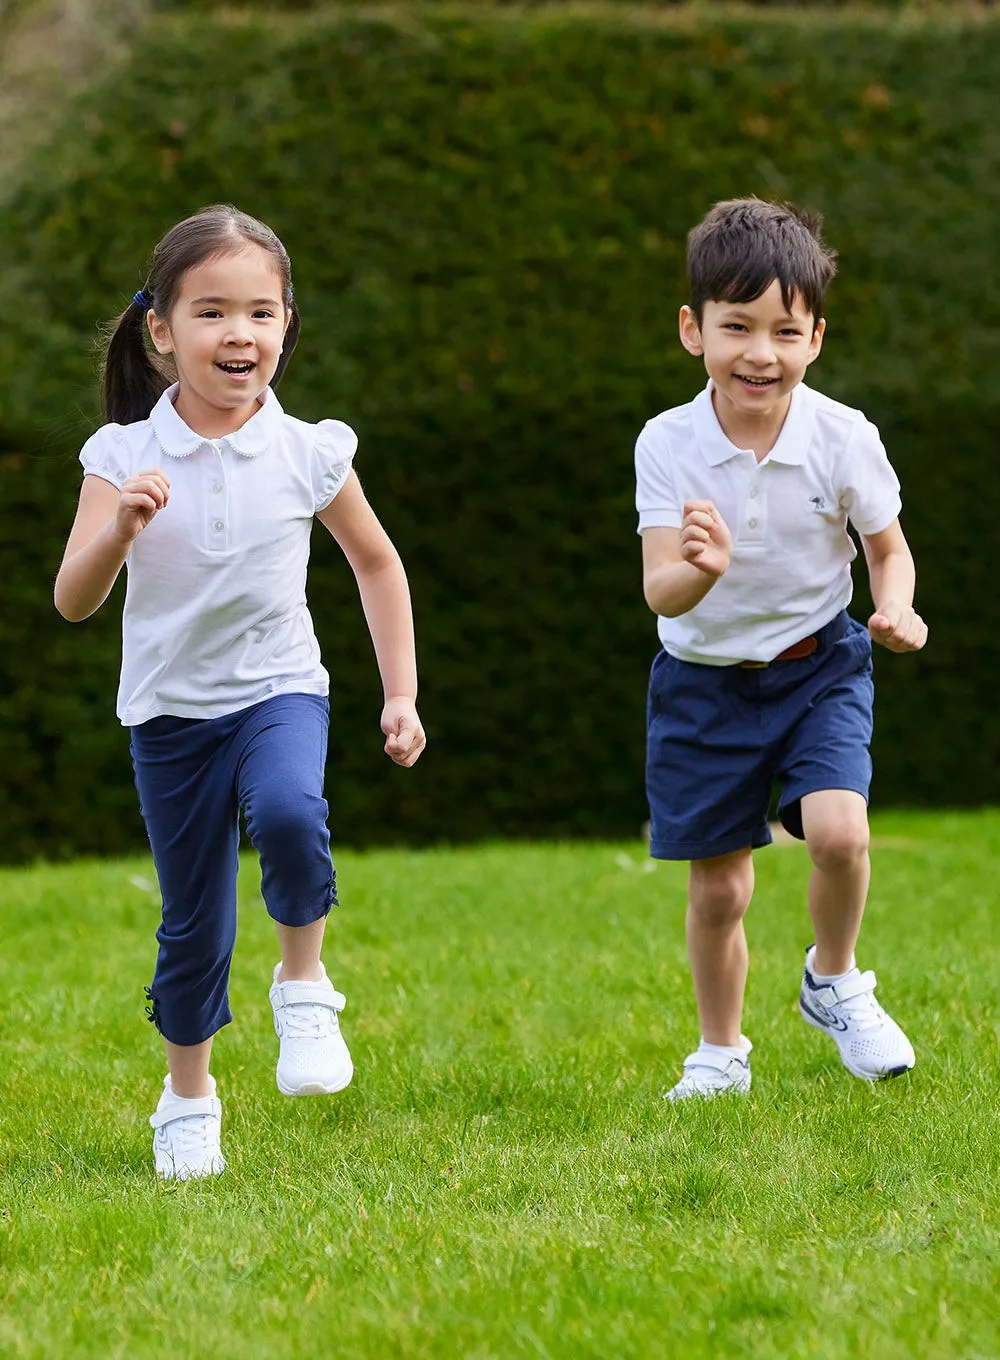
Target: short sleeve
{"type": "Point", "coordinates": [104, 456]}
{"type": "Point", "coordinates": [655, 494]}
{"type": "Point", "coordinates": [333, 452]}
{"type": "Point", "coordinates": [870, 488]}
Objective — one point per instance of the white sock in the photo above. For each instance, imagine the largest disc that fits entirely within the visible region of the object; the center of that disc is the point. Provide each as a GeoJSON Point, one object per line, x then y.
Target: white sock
{"type": "Point", "coordinates": [831, 979]}
{"type": "Point", "coordinates": [739, 1051]}
{"type": "Point", "coordinates": [171, 1095]}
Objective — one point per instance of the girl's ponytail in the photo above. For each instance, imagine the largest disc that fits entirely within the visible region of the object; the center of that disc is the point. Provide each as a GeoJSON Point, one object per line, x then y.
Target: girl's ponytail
{"type": "Point", "coordinates": [132, 382]}
{"type": "Point", "coordinates": [290, 340]}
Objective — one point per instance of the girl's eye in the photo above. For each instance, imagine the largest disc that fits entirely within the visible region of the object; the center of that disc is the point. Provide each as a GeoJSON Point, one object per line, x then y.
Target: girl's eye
{"type": "Point", "coordinates": [263, 313]}
{"type": "Point", "coordinates": [211, 313]}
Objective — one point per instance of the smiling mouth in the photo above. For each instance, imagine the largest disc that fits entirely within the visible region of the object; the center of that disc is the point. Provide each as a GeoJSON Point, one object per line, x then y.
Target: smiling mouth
{"type": "Point", "coordinates": [757, 382]}
{"type": "Point", "coordinates": [238, 367]}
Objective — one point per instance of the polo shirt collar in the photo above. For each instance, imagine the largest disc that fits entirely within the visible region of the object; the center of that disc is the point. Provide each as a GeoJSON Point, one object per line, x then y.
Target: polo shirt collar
{"type": "Point", "coordinates": [178, 440]}
{"type": "Point", "coordinates": [790, 446]}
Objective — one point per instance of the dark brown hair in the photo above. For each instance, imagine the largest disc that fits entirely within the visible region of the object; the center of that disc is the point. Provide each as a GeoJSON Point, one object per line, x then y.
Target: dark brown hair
{"type": "Point", "coordinates": [133, 377]}
{"type": "Point", "coordinates": [741, 246]}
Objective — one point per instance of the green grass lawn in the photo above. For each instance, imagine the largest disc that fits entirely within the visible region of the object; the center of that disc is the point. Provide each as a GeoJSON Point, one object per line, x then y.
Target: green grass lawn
{"type": "Point", "coordinates": [502, 1178]}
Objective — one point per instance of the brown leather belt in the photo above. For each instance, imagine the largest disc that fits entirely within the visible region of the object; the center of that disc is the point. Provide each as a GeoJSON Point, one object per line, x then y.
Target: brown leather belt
{"type": "Point", "coordinates": [798, 651]}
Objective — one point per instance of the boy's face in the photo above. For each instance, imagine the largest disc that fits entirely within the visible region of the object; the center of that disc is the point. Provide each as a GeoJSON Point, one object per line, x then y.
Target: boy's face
{"type": "Point", "coordinates": [754, 352]}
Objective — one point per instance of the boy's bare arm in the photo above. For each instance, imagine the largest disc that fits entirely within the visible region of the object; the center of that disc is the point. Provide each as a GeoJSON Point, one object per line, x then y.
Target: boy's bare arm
{"type": "Point", "coordinates": [680, 566]}
{"type": "Point", "coordinates": [895, 623]}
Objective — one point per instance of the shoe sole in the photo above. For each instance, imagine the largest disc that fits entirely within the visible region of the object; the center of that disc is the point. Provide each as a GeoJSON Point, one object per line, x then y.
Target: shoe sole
{"type": "Point", "coordinates": [315, 1088]}
{"type": "Point", "coordinates": [710, 1094]}
{"type": "Point", "coordinates": [188, 1173]}
{"type": "Point", "coordinates": [871, 1078]}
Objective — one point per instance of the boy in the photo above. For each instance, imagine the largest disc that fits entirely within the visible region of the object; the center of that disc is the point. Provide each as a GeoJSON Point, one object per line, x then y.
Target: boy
{"type": "Point", "coordinates": [744, 496]}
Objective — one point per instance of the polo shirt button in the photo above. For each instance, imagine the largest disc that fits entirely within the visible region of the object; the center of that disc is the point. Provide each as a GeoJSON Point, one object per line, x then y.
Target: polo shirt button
{"type": "Point", "coordinates": [751, 522]}
{"type": "Point", "coordinates": [753, 492]}
{"type": "Point", "coordinates": [218, 525]}
{"type": "Point", "coordinates": [217, 486]}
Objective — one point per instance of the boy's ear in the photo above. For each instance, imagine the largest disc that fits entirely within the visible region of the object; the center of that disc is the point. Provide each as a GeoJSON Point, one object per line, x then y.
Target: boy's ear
{"type": "Point", "coordinates": [816, 343]}
{"type": "Point", "coordinates": [159, 333]}
{"type": "Point", "coordinates": [690, 331]}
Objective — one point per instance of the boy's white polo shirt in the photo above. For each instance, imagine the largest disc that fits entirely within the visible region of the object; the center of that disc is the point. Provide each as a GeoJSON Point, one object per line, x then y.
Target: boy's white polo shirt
{"type": "Point", "coordinates": [790, 571]}
{"type": "Point", "coordinates": [215, 607]}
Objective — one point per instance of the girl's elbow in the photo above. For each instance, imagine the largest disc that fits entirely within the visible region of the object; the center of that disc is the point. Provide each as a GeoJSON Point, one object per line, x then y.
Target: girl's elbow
{"type": "Point", "coordinates": [68, 608]}
{"type": "Point", "coordinates": [61, 605]}
{"type": "Point", "coordinates": [375, 565]}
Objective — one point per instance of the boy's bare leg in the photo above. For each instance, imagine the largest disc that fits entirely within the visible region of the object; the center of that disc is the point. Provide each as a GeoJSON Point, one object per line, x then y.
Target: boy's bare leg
{"type": "Point", "coordinates": [719, 892]}
{"type": "Point", "coordinates": [188, 1064]}
{"type": "Point", "coordinates": [835, 822]}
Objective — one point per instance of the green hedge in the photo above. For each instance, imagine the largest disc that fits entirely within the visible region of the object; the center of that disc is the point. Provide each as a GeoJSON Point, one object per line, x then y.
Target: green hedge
{"type": "Point", "coordinates": [487, 220]}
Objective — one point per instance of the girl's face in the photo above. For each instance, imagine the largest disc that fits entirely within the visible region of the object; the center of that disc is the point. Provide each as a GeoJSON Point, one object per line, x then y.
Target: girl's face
{"type": "Point", "coordinates": [225, 332]}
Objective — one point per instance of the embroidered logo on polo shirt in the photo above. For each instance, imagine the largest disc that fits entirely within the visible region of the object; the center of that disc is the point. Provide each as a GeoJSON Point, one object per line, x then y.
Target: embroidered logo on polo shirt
{"type": "Point", "coordinates": [817, 503]}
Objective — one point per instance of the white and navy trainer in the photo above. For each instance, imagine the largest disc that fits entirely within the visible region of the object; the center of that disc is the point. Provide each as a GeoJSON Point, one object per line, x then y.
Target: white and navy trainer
{"type": "Point", "coordinates": [871, 1044]}
{"type": "Point", "coordinates": [713, 1071]}
{"type": "Point", "coordinates": [313, 1059]}
{"type": "Point", "coordinates": [186, 1135]}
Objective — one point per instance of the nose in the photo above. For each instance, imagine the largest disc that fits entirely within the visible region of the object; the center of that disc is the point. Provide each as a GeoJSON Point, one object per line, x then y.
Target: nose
{"type": "Point", "coordinates": [759, 349]}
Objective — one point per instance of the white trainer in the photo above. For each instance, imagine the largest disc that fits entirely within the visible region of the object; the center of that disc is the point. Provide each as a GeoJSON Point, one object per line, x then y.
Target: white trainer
{"type": "Point", "coordinates": [711, 1071]}
{"type": "Point", "coordinates": [313, 1059]}
{"type": "Point", "coordinates": [186, 1134]}
{"type": "Point", "coordinates": [871, 1044]}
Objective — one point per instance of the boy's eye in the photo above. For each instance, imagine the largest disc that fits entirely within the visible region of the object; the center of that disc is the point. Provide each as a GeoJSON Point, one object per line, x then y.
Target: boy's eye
{"type": "Point", "coordinates": [735, 326]}
{"type": "Point", "coordinates": [790, 330]}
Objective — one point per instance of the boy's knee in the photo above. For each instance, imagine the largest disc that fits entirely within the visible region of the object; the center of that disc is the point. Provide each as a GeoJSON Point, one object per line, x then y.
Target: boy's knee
{"type": "Point", "coordinates": [838, 843]}
{"type": "Point", "coordinates": [720, 889]}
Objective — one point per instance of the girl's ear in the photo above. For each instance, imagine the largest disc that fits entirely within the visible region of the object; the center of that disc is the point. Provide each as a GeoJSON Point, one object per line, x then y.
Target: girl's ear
{"type": "Point", "coordinates": [159, 333]}
{"type": "Point", "coordinates": [690, 331]}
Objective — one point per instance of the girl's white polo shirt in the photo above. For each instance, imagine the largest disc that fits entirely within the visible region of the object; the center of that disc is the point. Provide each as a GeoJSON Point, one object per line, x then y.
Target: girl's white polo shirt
{"type": "Point", "coordinates": [790, 571]}
{"type": "Point", "coordinates": [215, 607]}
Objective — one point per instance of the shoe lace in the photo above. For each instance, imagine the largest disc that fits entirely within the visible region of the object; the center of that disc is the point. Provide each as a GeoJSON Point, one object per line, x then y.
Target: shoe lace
{"type": "Point", "coordinates": [305, 1021]}
{"type": "Point", "coordinates": [192, 1136]}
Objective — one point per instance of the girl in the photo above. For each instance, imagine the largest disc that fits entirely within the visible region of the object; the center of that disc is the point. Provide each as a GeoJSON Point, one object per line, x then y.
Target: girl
{"type": "Point", "coordinates": [206, 490]}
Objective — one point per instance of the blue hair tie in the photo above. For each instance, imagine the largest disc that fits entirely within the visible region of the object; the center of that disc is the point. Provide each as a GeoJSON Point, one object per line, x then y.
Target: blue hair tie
{"type": "Point", "coordinates": [143, 300]}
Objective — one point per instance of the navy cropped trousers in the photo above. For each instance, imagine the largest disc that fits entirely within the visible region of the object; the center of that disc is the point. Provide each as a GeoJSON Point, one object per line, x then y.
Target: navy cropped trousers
{"type": "Point", "coordinates": [195, 777]}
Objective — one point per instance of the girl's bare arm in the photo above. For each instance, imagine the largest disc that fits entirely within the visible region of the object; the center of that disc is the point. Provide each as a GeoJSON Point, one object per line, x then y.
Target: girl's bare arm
{"type": "Point", "coordinates": [107, 521]}
{"type": "Point", "coordinates": [385, 598]}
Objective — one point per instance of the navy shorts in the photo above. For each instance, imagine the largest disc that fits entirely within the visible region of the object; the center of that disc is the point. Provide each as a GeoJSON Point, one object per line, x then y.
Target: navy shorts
{"type": "Point", "coordinates": [719, 736]}
{"type": "Point", "coordinates": [195, 777]}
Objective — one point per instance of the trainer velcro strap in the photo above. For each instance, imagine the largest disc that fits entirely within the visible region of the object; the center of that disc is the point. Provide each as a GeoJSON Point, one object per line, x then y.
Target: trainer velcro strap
{"type": "Point", "coordinates": [183, 1110]}
{"type": "Point", "coordinates": [308, 994]}
{"type": "Point", "coordinates": [847, 990]}
{"type": "Point", "coordinates": [717, 1062]}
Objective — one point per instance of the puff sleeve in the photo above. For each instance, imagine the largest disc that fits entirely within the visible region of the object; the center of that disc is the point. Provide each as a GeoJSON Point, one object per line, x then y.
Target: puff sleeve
{"type": "Point", "coordinates": [104, 455]}
{"type": "Point", "coordinates": [333, 452]}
